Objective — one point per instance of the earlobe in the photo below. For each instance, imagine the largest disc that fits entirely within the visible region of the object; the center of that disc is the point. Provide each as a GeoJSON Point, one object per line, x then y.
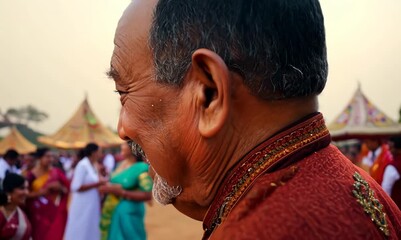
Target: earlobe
{"type": "Point", "coordinates": [213, 91]}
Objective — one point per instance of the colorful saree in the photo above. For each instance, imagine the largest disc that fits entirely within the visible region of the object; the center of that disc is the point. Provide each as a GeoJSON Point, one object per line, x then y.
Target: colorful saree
{"type": "Point", "coordinates": [124, 219]}
{"type": "Point", "coordinates": [48, 214]}
{"type": "Point", "coordinates": [15, 227]}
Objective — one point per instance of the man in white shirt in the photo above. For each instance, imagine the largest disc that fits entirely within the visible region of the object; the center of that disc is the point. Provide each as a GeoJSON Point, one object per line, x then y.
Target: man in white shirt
{"type": "Point", "coordinates": [7, 163]}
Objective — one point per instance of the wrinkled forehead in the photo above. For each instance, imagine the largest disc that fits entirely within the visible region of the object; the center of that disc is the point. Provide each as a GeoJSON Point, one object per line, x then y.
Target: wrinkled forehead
{"type": "Point", "coordinates": [135, 22]}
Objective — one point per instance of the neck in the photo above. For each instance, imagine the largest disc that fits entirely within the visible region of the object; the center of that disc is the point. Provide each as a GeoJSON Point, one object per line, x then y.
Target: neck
{"type": "Point", "coordinates": [10, 207]}
{"type": "Point", "coordinates": [131, 159]}
{"type": "Point", "coordinates": [92, 159]}
{"type": "Point", "coordinates": [252, 123]}
{"type": "Point", "coordinates": [44, 168]}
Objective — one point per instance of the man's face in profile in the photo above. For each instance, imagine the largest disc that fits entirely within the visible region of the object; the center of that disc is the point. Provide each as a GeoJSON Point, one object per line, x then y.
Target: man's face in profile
{"type": "Point", "coordinates": [150, 114]}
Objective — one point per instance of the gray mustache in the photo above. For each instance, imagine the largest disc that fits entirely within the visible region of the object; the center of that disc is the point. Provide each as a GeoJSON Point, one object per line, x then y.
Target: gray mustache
{"type": "Point", "coordinates": [136, 149]}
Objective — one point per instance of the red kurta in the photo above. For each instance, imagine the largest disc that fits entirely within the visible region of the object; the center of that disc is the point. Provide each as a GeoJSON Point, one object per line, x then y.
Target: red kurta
{"type": "Point", "coordinates": [297, 186]}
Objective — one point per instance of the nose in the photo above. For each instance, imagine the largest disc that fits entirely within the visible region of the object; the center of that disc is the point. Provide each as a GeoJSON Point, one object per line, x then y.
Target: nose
{"type": "Point", "coordinates": [120, 127]}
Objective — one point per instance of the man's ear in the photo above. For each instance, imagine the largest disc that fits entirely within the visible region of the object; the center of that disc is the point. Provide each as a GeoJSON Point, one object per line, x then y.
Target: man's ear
{"type": "Point", "coordinates": [213, 91]}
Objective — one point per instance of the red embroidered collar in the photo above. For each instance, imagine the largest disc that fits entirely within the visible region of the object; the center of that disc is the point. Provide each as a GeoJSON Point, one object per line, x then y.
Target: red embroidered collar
{"type": "Point", "coordinates": [286, 147]}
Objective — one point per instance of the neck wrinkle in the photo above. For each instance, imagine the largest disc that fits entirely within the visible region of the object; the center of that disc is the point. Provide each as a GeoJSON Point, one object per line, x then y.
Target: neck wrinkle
{"type": "Point", "coordinates": [258, 130]}
{"type": "Point", "coordinates": [246, 145]}
{"type": "Point", "coordinates": [275, 152]}
{"type": "Point", "coordinates": [252, 123]}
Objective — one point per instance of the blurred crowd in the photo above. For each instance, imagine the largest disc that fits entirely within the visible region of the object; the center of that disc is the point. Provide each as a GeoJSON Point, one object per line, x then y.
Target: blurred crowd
{"type": "Point", "coordinates": [381, 158]}
{"type": "Point", "coordinates": [100, 194]}
{"type": "Point", "coordinates": [88, 194]}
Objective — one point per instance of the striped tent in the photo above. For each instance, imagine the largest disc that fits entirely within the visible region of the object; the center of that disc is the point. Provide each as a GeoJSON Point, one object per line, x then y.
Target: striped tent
{"type": "Point", "coordinates": [362, 119]}
{"type": "Point", "coordinates": [16, 141]}
{"type": "Point", "coordinates": [82, 128]}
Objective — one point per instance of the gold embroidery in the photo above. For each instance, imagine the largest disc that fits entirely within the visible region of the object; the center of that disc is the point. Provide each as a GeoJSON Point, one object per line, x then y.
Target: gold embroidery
{"type": "Point", "coordinates": [286, 146]}
{"type": "Point", "coordinates": [273, 153]}
{"type": "Point", "coordinates": [371, 206]}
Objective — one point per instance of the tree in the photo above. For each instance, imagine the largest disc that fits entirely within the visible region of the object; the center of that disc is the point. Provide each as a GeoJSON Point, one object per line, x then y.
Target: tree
{"type": "Point", "coordinates": [15, 115]}
{"type": "Point", "coordinates": [22, 115]}
{"type": "Point", "coordinates": [32, 114]}
{"type": "Point", "coordinates": [4, 119]}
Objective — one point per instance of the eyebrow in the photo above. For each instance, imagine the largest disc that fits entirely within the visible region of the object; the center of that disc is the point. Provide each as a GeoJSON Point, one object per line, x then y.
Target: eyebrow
{"type": "Point", "coordinates": [113, 74]}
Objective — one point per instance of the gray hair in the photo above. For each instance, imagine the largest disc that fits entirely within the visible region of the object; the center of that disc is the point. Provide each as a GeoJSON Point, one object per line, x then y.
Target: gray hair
{"type": "Point", "coordinates": [277, 46]}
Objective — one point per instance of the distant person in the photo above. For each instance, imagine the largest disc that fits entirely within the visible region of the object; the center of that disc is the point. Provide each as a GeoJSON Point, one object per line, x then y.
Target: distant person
{"type": "Point", "coordinates": [123, 210]}
{"type": "Point", "coordinates": [7, 163]}
{"type": "Point", "coordinates": [377, 159]}
{"type": "Point", "coordinates": [78, 156]}
{"type": "Point", "coordinates": [362, 153]}
{"type": "Point", "coordinates": [66, 161]}
{"type": "Point", "coordinates": [391, 177]}
{"type": "Point", "coordinates": [84, 211]}
{"type": "Point", "coordinates": [14, 224]}
{"type": "Point", "coordinates": [109, 162]}
{"type": "Point", "coordinates": [47, 201]}
{"type": "Point", "coordinates": [28, 163]}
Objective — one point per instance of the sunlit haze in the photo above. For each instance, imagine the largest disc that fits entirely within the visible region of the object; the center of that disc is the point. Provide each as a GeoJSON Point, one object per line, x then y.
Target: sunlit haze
{"type": "Point", "coordinates": [53, 52]}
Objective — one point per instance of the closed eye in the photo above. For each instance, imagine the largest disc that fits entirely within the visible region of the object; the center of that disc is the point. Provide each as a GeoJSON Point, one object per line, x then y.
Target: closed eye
{"type": "Point", "coordinates": [120, 92]}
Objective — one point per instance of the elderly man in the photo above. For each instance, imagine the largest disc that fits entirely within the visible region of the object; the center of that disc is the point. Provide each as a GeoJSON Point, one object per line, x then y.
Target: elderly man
{"type": "Point", "coordinates": [222, 98]}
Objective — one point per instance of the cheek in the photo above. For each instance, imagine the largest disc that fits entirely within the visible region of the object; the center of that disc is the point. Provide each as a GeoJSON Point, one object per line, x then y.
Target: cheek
{"type": "Point", "coordinates": [16, 196]}
{"type": "Point", "coordinates": [159, 146]}
{"type": "Point", "coordinates": [21, 195]}
{"type": "Point", "coordinates": [170, 150]}
{"type": "Point", "coordinates": [132, 123]}
{"type": "Point", "coordinates": [186, 135]}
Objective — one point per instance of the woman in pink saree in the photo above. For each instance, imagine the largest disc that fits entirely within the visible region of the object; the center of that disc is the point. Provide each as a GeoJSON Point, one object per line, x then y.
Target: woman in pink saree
{"type": "Point", "coordinates": [47, 202]}
{"type": "Point", "coordinates": [13, 222]}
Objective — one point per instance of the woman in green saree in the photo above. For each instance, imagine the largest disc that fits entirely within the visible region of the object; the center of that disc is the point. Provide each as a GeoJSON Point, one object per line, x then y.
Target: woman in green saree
{"type": "Point", "coordinates": [123, 210]}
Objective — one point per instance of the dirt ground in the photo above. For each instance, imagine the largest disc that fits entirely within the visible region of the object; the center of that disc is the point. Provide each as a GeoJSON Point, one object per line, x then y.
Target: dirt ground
{"type": "Point", "coordinates": [167, 223]}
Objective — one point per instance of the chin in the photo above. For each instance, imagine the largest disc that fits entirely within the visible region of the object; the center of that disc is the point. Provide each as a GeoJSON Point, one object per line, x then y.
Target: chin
{"type": "Point", "coordinates": [190, 209]}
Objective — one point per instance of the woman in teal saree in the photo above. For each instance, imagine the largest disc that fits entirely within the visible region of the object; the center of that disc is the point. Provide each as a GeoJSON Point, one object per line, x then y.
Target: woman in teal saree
{"type": "Point", "coordinates": [123, 210]}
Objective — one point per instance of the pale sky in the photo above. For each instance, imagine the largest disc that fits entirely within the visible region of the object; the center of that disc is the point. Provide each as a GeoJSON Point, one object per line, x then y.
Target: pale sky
{"type": "Point", "coordinates": [52, 52]}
